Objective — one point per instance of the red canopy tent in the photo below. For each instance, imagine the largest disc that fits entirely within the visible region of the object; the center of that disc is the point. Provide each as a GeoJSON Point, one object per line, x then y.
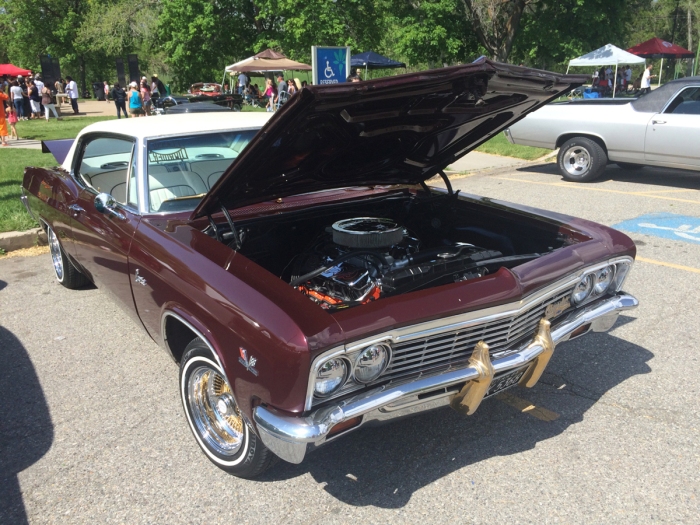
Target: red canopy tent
{"type": "Point", "coordinates": [657, 48]}
{"type": "Point", "coordinates": [13, 71]}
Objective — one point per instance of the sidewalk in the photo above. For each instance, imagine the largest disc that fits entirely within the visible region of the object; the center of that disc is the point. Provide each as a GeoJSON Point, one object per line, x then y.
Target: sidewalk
{"type": "Point", "coordinates": [24, 143]}
{"type": "Point", "coordinates": [476, 161]}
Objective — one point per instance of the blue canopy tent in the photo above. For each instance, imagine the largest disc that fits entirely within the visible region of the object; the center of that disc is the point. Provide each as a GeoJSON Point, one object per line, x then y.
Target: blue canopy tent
{"type": "Point", "coordinates": [372, 60]}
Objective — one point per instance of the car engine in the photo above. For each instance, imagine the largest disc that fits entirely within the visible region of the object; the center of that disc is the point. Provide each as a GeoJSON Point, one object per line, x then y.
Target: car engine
{"type": "Point", "coordinates": [359, 260]}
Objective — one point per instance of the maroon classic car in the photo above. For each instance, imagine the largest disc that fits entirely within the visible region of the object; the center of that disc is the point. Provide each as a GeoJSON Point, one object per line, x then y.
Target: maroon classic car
{"type": "Point", "coordinates": [303, 274]}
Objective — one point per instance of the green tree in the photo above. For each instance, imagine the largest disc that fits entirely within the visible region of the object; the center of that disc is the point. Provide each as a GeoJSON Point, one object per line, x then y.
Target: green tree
{"type": "Point", "coordinates": [40, 27]}
{"type": "Point", "coordinates": [300, 25]}
{"type": "Point", "coordinates": [555, 31]}
{"type": "Point", "coordinates": [432, 32]}
{"type": "Point", "coordinates": [201, 37]}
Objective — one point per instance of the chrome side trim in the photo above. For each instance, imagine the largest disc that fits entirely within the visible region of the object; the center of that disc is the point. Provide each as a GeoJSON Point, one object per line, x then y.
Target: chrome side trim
{"type": "Point", "coordinates": [288, 437]}
{"type": "Point", "coordinates": [457, 322]}
{"type": "Point", "coordinates": [25, 202]}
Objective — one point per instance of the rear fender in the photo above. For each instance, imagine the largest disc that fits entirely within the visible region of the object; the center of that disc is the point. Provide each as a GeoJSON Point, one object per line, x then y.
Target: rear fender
{"type": "Point", "coordinates": [49, 192]}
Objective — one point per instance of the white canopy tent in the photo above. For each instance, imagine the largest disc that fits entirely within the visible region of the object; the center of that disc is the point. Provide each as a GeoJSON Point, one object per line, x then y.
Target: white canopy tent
{"type": "Point", "coordinates": [607, 55]}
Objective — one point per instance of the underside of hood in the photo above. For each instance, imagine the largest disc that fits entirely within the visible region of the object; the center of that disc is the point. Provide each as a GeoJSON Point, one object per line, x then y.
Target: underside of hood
{"type": "Point", "coordinates": [392, 130]}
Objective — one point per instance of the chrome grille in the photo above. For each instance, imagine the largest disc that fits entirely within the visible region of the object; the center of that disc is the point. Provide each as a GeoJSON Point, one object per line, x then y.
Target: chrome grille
{"type": "Point", "coordinates": [444, 350]}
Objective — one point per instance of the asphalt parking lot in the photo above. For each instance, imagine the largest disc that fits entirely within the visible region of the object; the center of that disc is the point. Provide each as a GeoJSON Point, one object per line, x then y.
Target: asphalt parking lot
{"type": "Point", "coordinates": [92, 429]}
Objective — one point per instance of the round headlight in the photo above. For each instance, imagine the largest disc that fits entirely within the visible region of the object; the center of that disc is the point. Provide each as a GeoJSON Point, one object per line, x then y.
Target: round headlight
{"type": "Point", "coordinates": [583, 289]}
{"type": "Point", "coordinates": [603, 279]}
{"type": "Point", "coordinates": [371, 363]}
{"type": "Point", "coordinates": [330, 377]}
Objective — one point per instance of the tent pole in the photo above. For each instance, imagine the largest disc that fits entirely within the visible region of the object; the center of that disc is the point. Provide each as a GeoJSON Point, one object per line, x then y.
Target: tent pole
{"type": "Point", "coordinates": [567, 68]}
{"type": "Point", "coordinates": [615, 81]}
{"type": "Point", "coordinates": [661, 71]}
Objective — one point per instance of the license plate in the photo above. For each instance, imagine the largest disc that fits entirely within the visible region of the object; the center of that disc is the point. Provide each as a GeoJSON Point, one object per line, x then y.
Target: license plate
{"type": "Point", "coordinates": [505, 381]}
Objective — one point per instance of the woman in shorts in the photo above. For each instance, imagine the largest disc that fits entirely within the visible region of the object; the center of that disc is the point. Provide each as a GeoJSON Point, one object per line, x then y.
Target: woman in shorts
{"type": "Point", "coordinates": [135, 100]}
{"type": "Point", "coordinates": [146, 97]}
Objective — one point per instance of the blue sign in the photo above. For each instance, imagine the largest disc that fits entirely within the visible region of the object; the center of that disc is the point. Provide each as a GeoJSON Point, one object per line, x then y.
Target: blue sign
{"type": "Point", "coordinates": [666, 225]}
{"type": "Point", "coordinates": [331, 65]}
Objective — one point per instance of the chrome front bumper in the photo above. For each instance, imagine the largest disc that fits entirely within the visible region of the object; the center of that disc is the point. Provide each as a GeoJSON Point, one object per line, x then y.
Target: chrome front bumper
{"type": "Point", "coordinates": [289, 437]}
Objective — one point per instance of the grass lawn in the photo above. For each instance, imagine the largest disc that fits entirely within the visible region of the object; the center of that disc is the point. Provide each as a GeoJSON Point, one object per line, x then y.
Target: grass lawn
{"type": "Point", "coordinates": [13, 216]}
{"type": "Point", "coordinates": [55, 129]}
{"type": "Point", "coordinates": [499, 145]}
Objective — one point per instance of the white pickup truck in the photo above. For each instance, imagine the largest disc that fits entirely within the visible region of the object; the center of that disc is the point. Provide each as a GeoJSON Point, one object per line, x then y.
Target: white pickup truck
{"type": "Point", "coordinates": [661, 128]}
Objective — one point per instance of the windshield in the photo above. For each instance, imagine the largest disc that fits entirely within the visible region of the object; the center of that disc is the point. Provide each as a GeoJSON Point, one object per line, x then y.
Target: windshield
{"type": "Point", "coordinates": [181, 170]}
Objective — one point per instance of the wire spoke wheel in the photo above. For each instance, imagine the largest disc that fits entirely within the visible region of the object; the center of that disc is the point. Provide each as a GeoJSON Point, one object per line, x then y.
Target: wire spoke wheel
{"type": "Point", "coordinates": [214, 411]}
{"type": "Point", "coordinates": [56, 256]}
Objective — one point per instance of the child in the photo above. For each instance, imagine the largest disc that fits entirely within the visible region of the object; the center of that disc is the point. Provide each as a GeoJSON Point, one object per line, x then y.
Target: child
{"type": "Point", "coordinates": [12, 119]}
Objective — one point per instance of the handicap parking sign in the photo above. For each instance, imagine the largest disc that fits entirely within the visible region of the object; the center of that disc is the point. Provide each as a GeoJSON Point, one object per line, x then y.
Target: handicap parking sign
{"type": "Point", "coordinates": [666, 225]}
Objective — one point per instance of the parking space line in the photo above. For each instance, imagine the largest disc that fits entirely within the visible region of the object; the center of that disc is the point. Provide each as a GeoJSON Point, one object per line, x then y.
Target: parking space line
{"type": "Point", "coordinates": [666, 191]}
{"type": "Point", "coordinates": [527, 408]}
{"type": "Point", "coordinates": [582, 187]}
{"type": "Point", "coordinates": [669, 265]}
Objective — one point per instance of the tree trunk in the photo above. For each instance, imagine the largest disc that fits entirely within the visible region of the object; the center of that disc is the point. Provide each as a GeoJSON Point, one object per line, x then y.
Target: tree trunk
{"type": "Point", "coordinates": [496, 23]}
{"type": "Point", "coordinates": [690, 25]}
{"type": "Point", "coordinates": [83, 83]}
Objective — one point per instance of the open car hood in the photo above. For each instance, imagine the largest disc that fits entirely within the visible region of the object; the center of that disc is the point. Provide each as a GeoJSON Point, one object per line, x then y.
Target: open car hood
{"type": "Point", "coordinates": [392, 130]}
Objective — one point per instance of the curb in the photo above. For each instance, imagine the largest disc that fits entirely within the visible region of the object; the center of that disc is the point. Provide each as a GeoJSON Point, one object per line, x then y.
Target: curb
{"type": "Point", "coordinates": [11, 241]}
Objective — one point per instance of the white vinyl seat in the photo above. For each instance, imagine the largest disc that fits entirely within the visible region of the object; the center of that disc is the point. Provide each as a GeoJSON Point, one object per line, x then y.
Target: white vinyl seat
{"type": "Point", "coordinates": [210, 170]}
{"type": "Point", "coordinates": [163, 186]}
{"type": "Point", "coordinates": [112, 182]}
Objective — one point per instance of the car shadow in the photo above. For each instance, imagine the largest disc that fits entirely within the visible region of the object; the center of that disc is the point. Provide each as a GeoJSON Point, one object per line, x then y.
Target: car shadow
{"type": "Point", "coordinates": [665, 177]}
{"type": "Point", "coordinates": [26, 429]}
{"type": "Point", "coordinates": [384, 466]}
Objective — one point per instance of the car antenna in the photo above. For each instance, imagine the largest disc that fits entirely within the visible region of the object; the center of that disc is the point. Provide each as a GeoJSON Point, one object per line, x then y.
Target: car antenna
{"type": "Point", "coordinates": [236, 239]}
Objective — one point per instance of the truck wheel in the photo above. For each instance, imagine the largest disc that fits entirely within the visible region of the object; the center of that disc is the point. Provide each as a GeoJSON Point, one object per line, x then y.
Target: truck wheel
{"type": "Point", "coordinates": [215, 419]}
{"type": "Point", "coordinates": [65, 272]}
{"type": "Point", "coordinates": [628, 166]}
{"type": "Point", "coordinates": [581, 160]}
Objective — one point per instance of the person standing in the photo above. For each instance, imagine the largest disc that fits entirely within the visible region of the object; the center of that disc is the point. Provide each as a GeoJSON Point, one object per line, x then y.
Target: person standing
{"type": "Point", "coordinates": [119, 97]}
{"type": "Point", "coordinates": [47, 102]}
{"type": "Point", "coordinates": [72, 92]}
{"type": "Point", "coordinates": [159, 86]}
{"type": "Point", "coordinates": [17, 97]}
{"type": "Point", "coordinates": [34, 99]}
{"type": "Point", "coordinates": [106, 88]}
{"type": "Point", "coordinates": [646, 79]}
{"type": "Point", "coordinates": [12, 119]}
{"type": "Point", "coordinates": [242, 81]}
{"type": "Point", "coordinates": [135, 101]}
{"type": "Point", "coordinates": [269, 94]}
{"type": "Point", "coordinates": [281, 88]}
{"type": "Point", "coordinates": [146, 97]}
{"type": "Point", "coordinates": [39, 88]}
{"type": "Point", "coordinates": [3, 122]}
{"type": "Point", "coordinates": [59, 90]}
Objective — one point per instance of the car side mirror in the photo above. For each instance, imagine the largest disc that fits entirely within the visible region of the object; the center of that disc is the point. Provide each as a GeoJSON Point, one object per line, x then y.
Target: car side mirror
{"type": "Point", "coordinates": [105, 203]}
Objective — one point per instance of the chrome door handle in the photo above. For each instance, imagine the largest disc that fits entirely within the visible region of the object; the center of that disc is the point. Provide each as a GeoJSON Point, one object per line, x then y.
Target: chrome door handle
{"type": "Point", "coordinates": [75, 209]}
{"type": "Point", "coordinates": [658, 122]}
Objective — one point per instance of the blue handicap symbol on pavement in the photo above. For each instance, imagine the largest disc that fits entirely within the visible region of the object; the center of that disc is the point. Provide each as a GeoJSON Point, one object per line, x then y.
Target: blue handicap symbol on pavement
{"type": "Point", "coordinates": [666, 225]}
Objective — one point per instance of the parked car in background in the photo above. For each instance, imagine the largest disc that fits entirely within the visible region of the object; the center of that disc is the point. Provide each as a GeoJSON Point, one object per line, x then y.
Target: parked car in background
{"type": "Point", "coordinates": [208, 89]}
{"type": "Point", "coordinates": [175, 104]}
{"type": "Point", "coordinates": [661, 128]}
{"type": "Point", "coordinates": [305, 277]}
